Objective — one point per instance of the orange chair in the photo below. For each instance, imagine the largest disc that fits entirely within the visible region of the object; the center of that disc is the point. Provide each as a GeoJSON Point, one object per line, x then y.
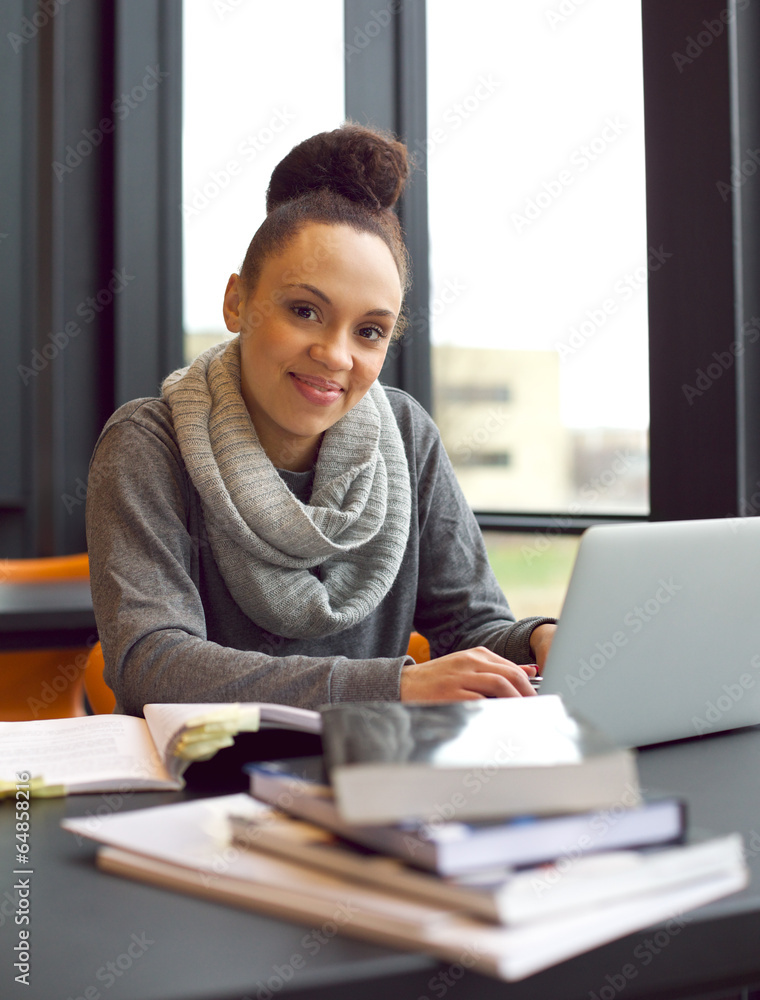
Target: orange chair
{"type": "Point", "coordinates": [102, 699]}
{"type": "Point", "coordinates": [419, 648]}
{"type": "Point", "coordinates": [43, 683]}
{"type": "Point", "coordinates": [100, 696]}
{"type": "Point", "coordinates": [43, 570]}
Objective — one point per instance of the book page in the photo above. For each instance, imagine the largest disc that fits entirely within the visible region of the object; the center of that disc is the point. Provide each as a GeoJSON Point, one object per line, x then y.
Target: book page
{"type": "Point", "coordinates": [215, 722]}
{"type": "Point", "coordinates": [210, 726]}
{"type": "Point", "coordinates": [70, 752]}
{"type": "Point", "coordinates": [288, 717]}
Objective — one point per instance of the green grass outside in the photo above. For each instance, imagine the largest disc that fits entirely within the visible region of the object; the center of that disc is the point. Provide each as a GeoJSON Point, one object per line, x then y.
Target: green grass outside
{"type": "Point", "coordinates": [533, 569]}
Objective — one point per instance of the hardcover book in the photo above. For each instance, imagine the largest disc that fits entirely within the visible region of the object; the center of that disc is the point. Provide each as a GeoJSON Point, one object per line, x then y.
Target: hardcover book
{"type": "Point", "coordinates": [299, 786]}
{"type": "Point", "coordinates": [400, 761]}
{"type": "Point", "coordinates": [562, 888]}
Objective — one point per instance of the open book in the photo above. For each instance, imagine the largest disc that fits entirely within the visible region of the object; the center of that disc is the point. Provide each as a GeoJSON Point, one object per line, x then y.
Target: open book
{"type": "Point", "coordinates": [100, 753]}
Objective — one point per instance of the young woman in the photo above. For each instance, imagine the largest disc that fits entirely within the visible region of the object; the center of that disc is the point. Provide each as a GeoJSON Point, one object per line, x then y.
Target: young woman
{"type": "Point", "coordinates": [274, 526]}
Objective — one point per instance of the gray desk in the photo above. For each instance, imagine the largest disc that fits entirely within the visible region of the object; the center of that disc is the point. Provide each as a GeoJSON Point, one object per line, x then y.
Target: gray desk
{"type": "Point", "coordinates": [81, 920]}
{"type": "Point", "coordinates": [39, 615]}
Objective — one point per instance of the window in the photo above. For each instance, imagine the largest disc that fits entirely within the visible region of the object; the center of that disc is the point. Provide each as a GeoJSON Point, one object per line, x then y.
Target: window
{"type": "Point", "coordinates": [253, 88]}
{"type": "Point", "coordinates": [539, 260]}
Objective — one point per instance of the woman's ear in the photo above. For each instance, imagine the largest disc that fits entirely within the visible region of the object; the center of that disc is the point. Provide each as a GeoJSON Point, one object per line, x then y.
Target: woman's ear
{"type": "Point", "coordinates": [234, 299]}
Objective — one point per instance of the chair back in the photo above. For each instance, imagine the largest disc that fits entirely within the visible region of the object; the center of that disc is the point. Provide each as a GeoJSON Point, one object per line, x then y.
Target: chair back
{"type": "Point", "coordinates": [43, 683]}
{"type": "Point", "coordinates": [419, 648]}
{"type": "Point", "coordinates": [99, 695]}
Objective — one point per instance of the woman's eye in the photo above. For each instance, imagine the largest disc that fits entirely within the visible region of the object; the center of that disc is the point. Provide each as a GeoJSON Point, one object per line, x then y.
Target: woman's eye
{"type": "Point", "coordinates": [305, 312]}
{"type": "Point", "coordinates": [372, 333]}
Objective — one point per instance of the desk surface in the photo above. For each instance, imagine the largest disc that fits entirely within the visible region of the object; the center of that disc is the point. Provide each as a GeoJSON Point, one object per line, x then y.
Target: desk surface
{"type": "Point", "coordinates": [36, 615]}
{"type": "Point", "coordinates": [184, 948]}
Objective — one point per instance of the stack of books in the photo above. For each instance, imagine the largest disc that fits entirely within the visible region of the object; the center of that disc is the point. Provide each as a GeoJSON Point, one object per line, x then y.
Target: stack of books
{"type": "Point", "coordinates": [502, 834]}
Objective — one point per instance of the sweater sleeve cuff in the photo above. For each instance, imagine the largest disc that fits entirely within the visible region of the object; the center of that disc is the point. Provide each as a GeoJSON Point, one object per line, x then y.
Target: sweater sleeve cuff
{"type": "Point", "coordinates": [366, 680]}
{"type": "Point", "coordinates": [517, 647]}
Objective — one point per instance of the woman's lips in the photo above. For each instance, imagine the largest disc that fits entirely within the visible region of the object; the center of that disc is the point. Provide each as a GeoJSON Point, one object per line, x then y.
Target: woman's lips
{"type": "Point", "coordinates": [315, 389]}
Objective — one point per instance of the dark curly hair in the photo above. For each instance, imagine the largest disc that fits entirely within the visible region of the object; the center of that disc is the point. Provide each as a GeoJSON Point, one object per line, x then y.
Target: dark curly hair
{"type": "Point", "coordinates": [352, 176]}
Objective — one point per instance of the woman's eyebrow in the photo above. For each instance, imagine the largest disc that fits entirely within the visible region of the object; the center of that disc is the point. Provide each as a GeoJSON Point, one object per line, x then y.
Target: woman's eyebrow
{"type": "Point", "coordinates": [310, 288]}
{"type": "Point", "coordinates": [321, 295]}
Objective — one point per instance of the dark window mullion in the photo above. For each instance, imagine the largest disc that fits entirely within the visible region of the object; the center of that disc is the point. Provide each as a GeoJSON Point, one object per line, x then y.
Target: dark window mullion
{"type": "Point", "coordinates": [745, 83]}
{"type": "Point", "coordinates": [693, 436]}
{"type": "Point", "coordinates": [147, 198]}
{"type": "Point", "coordinates": [386, 78]}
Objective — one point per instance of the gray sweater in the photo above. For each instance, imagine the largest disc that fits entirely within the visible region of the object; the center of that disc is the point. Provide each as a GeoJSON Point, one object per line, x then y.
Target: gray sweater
{"type": "Point", "coordinates": [171, 631]}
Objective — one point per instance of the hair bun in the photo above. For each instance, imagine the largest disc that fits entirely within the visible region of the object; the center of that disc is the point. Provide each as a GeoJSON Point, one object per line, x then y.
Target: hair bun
{"type": "Point", "coordinates": [361, 164]}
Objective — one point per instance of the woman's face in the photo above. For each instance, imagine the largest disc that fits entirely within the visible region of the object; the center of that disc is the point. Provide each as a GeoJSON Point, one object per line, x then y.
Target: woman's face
{"type": "Point", "coordinates": [313, 335]}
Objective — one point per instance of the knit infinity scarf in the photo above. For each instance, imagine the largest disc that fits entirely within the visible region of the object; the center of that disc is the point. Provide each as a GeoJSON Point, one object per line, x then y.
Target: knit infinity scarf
{"type": "Point", "coordinates": [295, 569]}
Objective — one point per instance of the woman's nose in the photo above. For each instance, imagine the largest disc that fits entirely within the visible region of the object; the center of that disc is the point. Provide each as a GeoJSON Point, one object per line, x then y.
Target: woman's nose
{"type": "Point", "coordinates": [333, 350]}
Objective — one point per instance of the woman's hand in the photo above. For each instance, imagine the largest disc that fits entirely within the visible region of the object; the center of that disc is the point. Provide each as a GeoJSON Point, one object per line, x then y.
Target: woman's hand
{"type": "Point", "coordinates": [540, 643]}
{"type": "Point", "coordinates": [466, 675]}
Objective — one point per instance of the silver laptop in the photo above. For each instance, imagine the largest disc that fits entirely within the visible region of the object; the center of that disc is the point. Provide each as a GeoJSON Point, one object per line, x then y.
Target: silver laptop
{"type": "Point", "coordinates": [659, 637]}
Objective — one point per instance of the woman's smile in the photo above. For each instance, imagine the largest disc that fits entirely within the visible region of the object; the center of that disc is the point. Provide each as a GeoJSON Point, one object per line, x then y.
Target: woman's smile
{"type": "Point", "coordinates": [316, 390]}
